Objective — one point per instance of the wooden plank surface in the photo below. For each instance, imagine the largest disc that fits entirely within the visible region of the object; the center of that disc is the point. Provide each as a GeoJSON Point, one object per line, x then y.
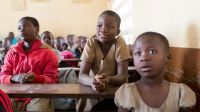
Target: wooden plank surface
{"type": "Point", "coordinates": [54, 91]}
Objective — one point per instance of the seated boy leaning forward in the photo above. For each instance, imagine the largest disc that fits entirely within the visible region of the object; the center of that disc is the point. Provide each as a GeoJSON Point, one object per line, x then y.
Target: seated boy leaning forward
{"type": "Point", "coordinates": [28, 62]}
{"type": "Point", "coordinates": [152, 93]}
{"type": "Point", "coordinates": [104, 60]}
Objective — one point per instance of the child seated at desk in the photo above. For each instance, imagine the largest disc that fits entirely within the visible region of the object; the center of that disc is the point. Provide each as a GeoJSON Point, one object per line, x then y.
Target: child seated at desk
{"type": "Point", "coordinates": [106, 56]}
{"type": "Point", "coordinates": [29, 62]}
{"type": "Point", "coordinates": [64, 52]}
{"type": "Point", "coordinates": [47, 38]}
{"type": "Point", "coordinates": [152, 93]}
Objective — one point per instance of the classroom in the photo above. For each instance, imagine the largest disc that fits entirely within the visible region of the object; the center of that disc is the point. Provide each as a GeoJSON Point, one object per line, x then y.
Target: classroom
{"type": "Point", "coordinates": [77, 55]}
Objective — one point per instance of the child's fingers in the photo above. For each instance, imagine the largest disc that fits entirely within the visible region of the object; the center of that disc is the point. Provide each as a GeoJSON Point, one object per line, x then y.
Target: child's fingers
{"type": "Point", "coordinates": [95, 82]}
{"type": "Point", "coordinates": [103, 75]}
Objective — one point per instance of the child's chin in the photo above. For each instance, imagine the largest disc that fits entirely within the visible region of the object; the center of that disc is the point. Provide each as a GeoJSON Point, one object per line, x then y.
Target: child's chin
{"type": "Point", "coordinates": [148, 75]}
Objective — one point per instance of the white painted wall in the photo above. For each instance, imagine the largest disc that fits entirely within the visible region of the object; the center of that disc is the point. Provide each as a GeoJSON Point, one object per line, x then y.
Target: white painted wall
{"type": "Point", "coordinates": [61, 17]}
{"type": "Point", "coordinates": [178, 20]}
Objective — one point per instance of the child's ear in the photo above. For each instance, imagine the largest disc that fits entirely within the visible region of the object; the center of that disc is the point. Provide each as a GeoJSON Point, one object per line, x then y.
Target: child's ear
{"type": "Point", "coordinates": [168, 57]}
{"type": "Point", "coordinates": [118, 31]}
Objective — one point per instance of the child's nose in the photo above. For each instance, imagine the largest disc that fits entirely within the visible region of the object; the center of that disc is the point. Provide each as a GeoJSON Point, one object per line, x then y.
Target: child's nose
{"type": "Point", "coordinates": [144, 57]}
{"type": "Point", "coordinates": [104, 29]}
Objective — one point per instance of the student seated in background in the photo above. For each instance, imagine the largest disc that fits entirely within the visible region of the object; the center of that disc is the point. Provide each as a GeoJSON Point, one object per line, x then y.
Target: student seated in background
{"type": "Point", "coordinates": [106, 56]}
{"type": "Point", "coordinates": [47, 38]}
{"type": "Point", "coordinates": [28, 62]}
{"type": "Point", "coordinates": [80, 42]}
{"type": "Point", "coordinates": [152, 93]}
{"type": "Point", "coordinates": [65, 52]}
{"type": "Point", "coordinates": [12, 38]}
{"type": "Point", "coordinates": [70, 41]}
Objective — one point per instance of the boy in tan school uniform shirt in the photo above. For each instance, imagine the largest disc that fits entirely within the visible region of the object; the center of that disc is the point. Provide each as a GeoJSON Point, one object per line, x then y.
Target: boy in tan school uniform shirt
{"type": "Point", "coordinates": [105, 57]}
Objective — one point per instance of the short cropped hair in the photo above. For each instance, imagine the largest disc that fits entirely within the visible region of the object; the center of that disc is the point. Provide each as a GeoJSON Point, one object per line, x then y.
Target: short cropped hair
{"type": "Point", "coordinates": [114, 14]}
{"type": "Point", "coordinates": [33, 20]}
{"type": "Point", "coordinates": [157, 35]}
{"type": "Point", "coordinates": [46, 32]}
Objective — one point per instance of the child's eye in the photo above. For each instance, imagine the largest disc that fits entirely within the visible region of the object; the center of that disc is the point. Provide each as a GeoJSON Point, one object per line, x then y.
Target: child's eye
{"type": "Point", "coordinates": [110, 27]}
{"type": "Point", "coordinates": [99, 26]}
{"type": "Point", "coordinates": [138, 53]}
{"type": "Point", "coordinates": [152, 51]}
{"type": "Point", "coordinates": [19, 28]}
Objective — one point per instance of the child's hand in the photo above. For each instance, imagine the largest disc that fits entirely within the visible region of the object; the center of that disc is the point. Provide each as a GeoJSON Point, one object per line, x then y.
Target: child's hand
{"type": "Point", "coordinates": [28, 78]}
{"type": "Point", "coordinates": [104, 78]}
{"type": "Point", "coordinates": [18, 78]}
{"type": "Point", "coordinates": [97, 84]}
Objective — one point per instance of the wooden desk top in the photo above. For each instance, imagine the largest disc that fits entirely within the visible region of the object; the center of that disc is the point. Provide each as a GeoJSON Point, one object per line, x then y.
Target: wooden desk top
{"type": "Point", "coordinates": [130, 68]}
{"type": "Point", "coordinates": [70, 60]}
{"type": "Point", "coordinates": [68, 68]}
{"type": "Point", "coordinates": [54, 91]}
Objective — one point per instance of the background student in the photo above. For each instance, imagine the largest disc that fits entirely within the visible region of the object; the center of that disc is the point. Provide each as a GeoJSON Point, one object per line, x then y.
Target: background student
{"type": "Point", "coordinates": [47, 38]}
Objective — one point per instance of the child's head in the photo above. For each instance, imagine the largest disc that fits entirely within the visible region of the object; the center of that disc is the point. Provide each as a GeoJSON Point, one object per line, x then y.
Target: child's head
{"type": "Point", "coordinates": [151, 53]}
{"type": "Point", "coordinates": [28, 28]}
{"type": "Point", "coordinates": [59, 41]}
{"type": "Point", "coordinates": [83, 41]}
{"type": "Point", "coordinates": [108, 26]}
{"type": "Point", "coordinates": [11, 35]}
{"type": "Point", "coordinates": [70, 39]}
{"type": "Point", "coordinates": [6, 43]}
{"type": "Point", "coordinates": [77, 41]}
{"type": "Point", "coordinates": [47, 37]}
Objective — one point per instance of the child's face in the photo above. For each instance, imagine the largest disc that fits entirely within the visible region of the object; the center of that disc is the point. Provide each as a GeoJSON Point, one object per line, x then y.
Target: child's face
{"type": "Point", "coordinates": [27, 31]}
{"type": "Point", "coordinates": [83, 42]}
{"type": "Point", "coordinates": [59, 44]}
{"type": "Point", "coordinates": [107, 28]}
{"type": "Point", "coordinates": [150, 56]}
{"type": "Point", "coordinates": [47, 38]}
{"type": "Point", "coordinates": [70, 40]}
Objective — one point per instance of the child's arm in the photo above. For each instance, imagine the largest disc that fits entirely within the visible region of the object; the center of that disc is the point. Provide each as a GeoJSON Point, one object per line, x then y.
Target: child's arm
{"type": "Point", "coordinates": [186, 109]}
{"type": "Point", "coordinates": [120, 109]}
{"type": "Point", "coordinates": [84, 77]}
{"type": "Point", "coordinates": [122, 72]}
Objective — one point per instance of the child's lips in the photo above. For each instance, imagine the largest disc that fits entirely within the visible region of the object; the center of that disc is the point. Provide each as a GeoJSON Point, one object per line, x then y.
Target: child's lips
{"type": "Point", "coordinates": [146, 68]}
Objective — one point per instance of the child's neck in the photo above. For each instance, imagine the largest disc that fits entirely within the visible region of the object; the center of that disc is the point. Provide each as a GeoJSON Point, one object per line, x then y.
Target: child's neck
{"type": "Point", "coordinates": [152, 81]}
{"type": "Point", "coordinates": [27, 46]}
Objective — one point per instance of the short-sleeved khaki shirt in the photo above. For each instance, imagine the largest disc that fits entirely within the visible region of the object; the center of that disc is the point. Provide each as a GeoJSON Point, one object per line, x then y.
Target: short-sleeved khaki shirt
{"type": "Point", "coordinates": [180, 95]}
{"type": "Point", "coordinates": [108, 64]}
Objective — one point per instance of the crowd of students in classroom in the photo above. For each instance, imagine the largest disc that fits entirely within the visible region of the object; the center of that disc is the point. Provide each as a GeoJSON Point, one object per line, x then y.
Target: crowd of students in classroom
{"type": "Point", "coordinates": [104, 62]}
{"type": "Point", "coordinates": [69, 47]}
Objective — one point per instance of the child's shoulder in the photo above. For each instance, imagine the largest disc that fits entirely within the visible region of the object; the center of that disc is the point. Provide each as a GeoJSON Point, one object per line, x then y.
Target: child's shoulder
{"type": "Point", "coordinates": [120, 40]}
{"type": "Point", "coordinates": [180, 86]}
{"type": "Point", "coordinates": [185, 94]}
{"type": "Point", "coordinates": [127, 96]}
{"type": "Point", "coordinates": [92, 41]}
{"type": "Point", "coordinates": [127, 87]}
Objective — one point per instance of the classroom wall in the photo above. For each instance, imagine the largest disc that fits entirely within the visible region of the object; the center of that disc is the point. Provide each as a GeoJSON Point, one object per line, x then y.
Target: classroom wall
{"type": "Point", "coordinates": [62, 17]}
{"type": "Point", "coordinates": [179, 20]}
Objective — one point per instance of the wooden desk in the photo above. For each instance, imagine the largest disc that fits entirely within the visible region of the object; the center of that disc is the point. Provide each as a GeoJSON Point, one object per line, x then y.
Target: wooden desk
{"type": "Point", "coordinates": [130, 68]}
{"type": "Point", "coordinates": [54, 91]}
{"type": "Point", "coordinates": [68, 68]}
{"type": "Point", "coordinates": [70, 60]}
